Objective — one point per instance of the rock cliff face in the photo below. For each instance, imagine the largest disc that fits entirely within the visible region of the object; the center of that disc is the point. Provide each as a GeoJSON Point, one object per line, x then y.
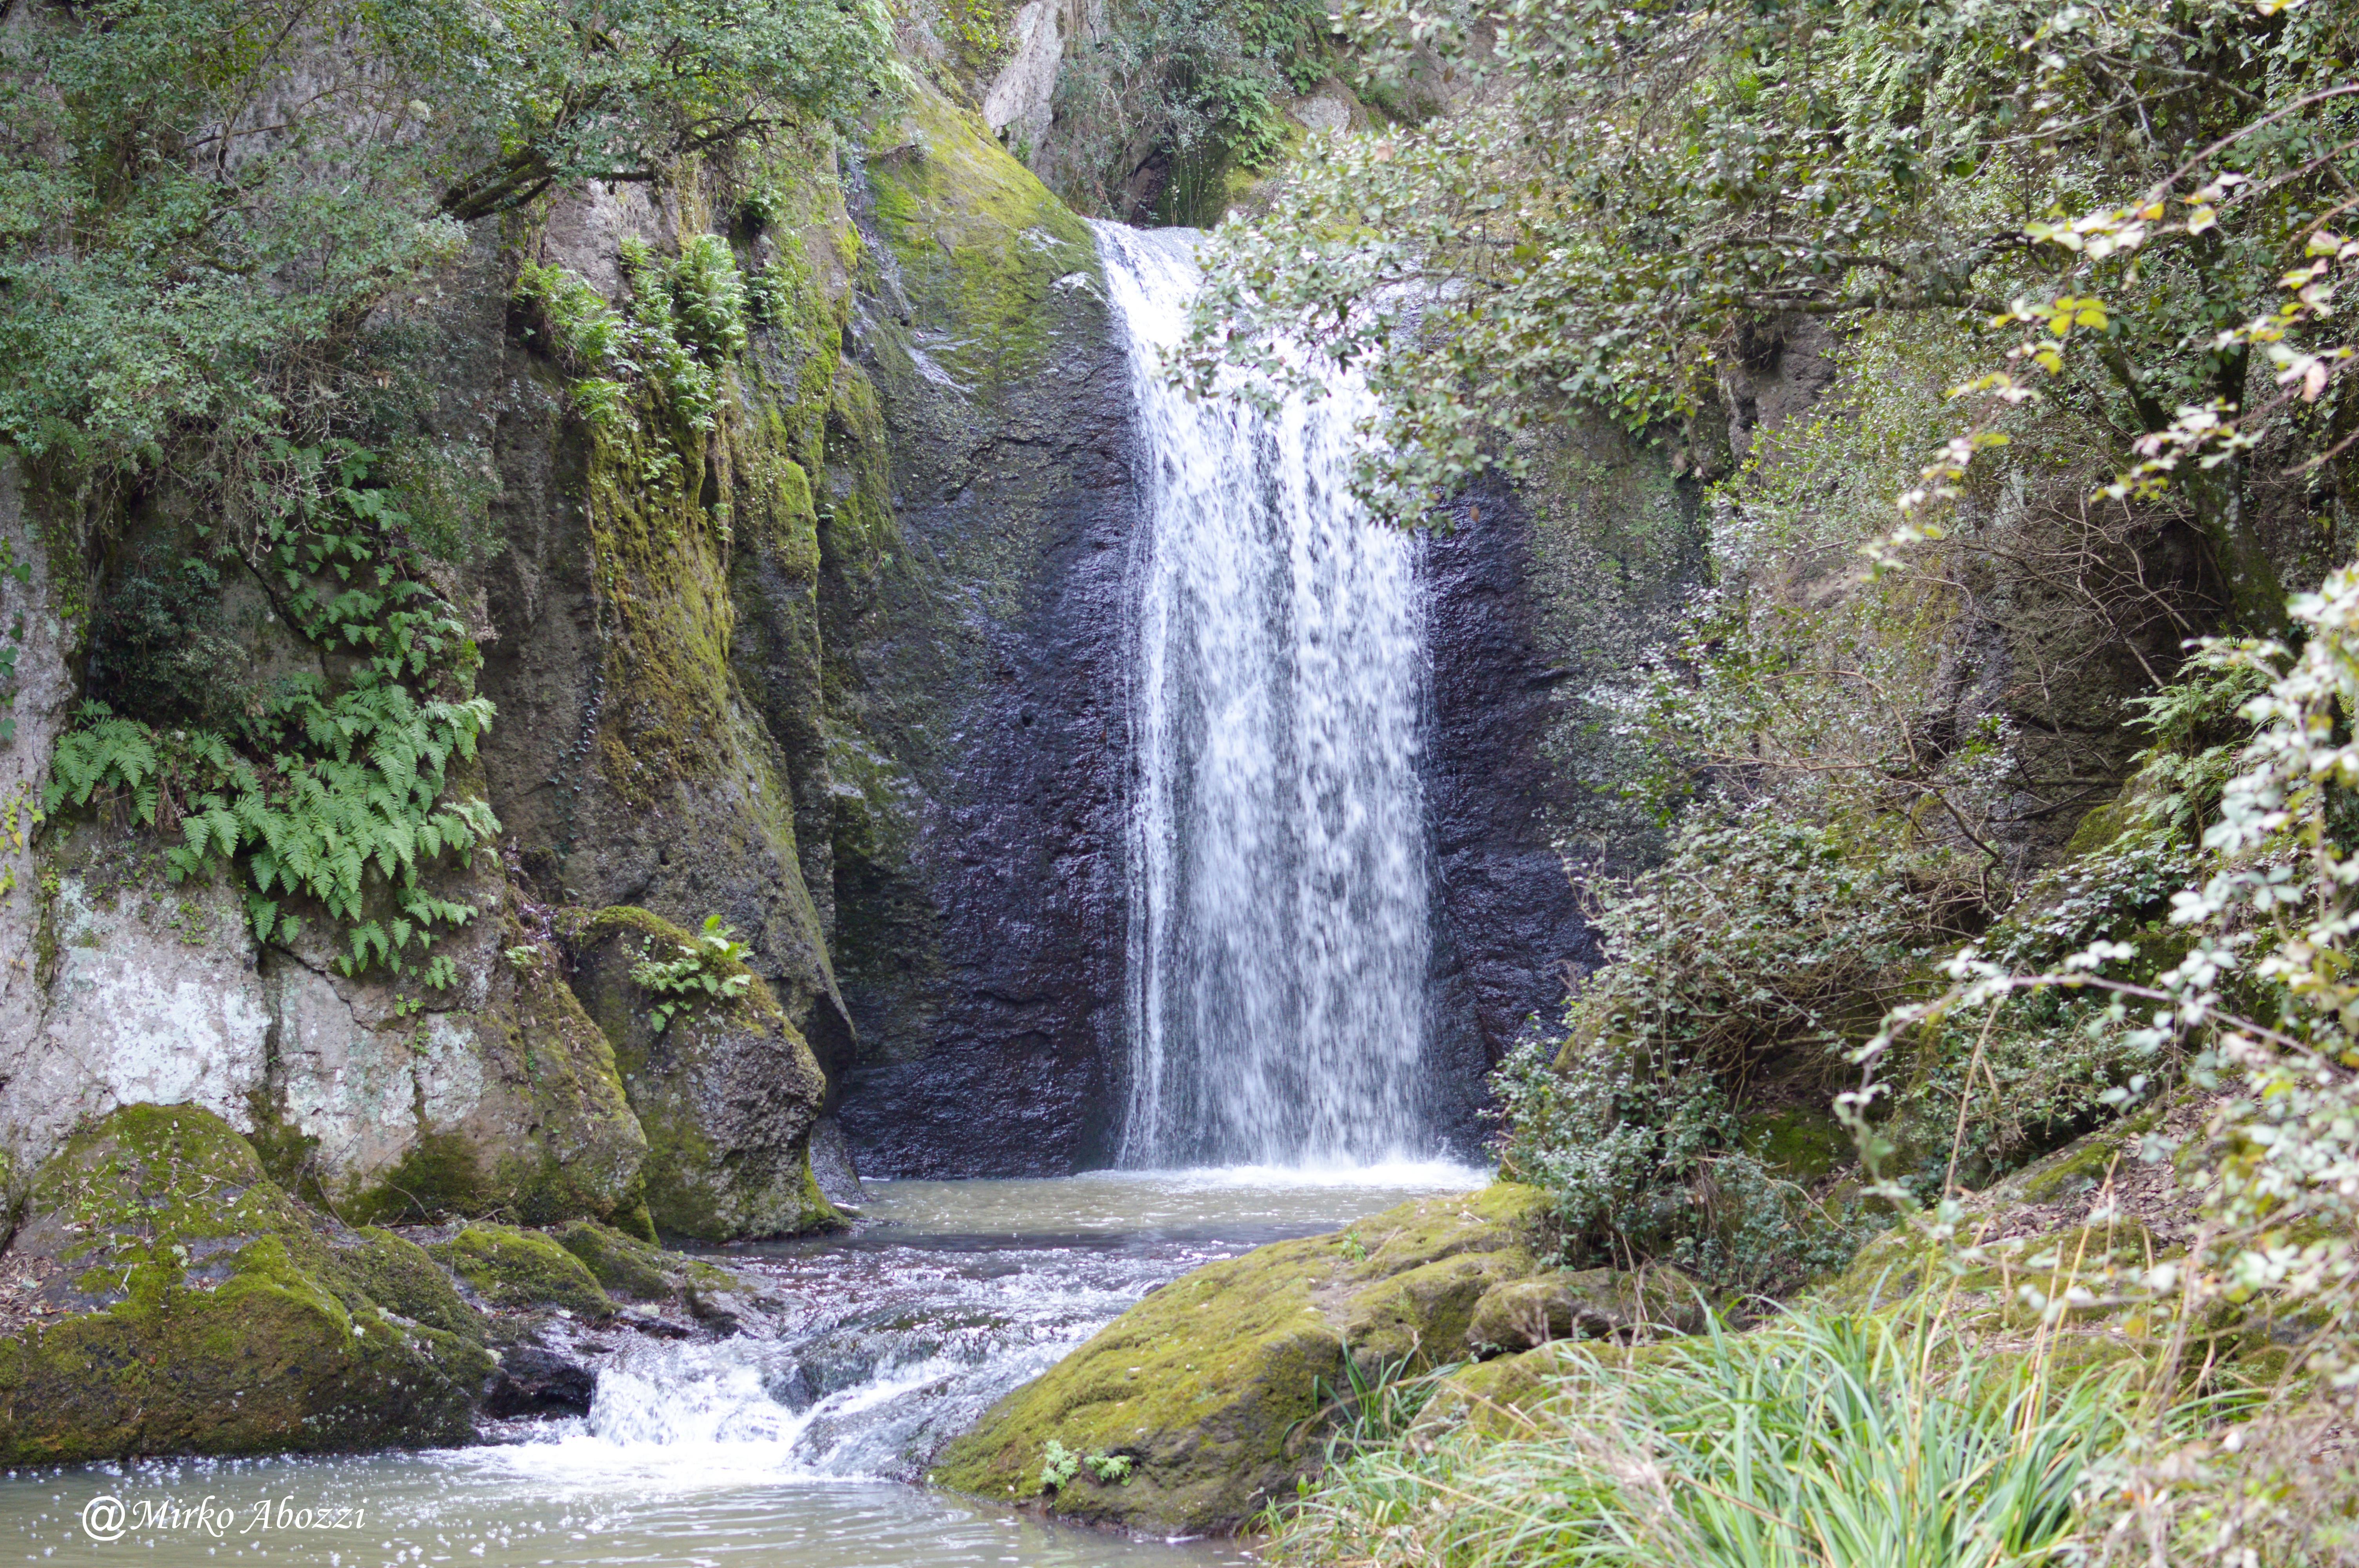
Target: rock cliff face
{"type": "Point", "coordinates": [1542, 594]}
{"type": "Point", "coordinates": [980, 875]}
{"type": "Point", "coordinates": [836, 660]}
{"type": "Point", "coordinates": [839, 659]}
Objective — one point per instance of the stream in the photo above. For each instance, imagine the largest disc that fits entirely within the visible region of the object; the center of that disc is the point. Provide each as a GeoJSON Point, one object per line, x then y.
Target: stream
{"type": "Point", "coordinates": [804, 1449]}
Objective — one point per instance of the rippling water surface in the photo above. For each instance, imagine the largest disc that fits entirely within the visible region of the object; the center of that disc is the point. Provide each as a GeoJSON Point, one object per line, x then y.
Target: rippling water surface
{"type": "Point", "coordinates": [800, 1449]}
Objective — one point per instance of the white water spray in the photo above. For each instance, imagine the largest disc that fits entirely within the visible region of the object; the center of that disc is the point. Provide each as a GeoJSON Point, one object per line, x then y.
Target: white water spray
{"type": "Point", "coordinates": [1279, 933]}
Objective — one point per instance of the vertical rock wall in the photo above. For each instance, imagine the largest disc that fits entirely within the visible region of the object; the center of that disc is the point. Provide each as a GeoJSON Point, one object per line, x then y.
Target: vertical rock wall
{"type": "Point", "coordinates": [845, 669]}
{"type": "Point", "coordinates": [1543, 593]}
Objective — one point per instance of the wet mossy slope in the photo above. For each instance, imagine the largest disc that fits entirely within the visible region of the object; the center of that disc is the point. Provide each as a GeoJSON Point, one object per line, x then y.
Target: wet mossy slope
{"type": "Point", "coordinates": [1218, 1387]}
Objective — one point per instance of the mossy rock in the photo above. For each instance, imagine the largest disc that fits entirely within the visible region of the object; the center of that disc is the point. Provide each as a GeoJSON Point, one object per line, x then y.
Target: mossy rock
{"type": "Point", "coordinates": [1590, 1303]}
{"type": "Point", "coordinates": [727, 1091]}
{"type": "Point", "coordinates": [551, 1138]}
{"type": "Point", "coordinates": [202, 1312]}
{"type": "Point", "coordinates": [1217, 1385]}
{"type": "Point", "coordinates": [1502, 1397]}
{"type": "Point", "coordinates": [520, 1268]}
{"type": "Point", "coordinates": [402, 1277]}
{"type": "Point", "coordinates": [1801, 1145]}
{"type": "Point", "coordinates": [979, 239]}
{"type": "Point", "coordinates": [628, 1266]}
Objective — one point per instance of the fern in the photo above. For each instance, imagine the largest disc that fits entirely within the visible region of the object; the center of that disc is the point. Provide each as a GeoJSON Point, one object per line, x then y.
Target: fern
{"type": "Point", "coordinates": [700, 969]}
{"type": "Point", "coordinates": [336, 797]}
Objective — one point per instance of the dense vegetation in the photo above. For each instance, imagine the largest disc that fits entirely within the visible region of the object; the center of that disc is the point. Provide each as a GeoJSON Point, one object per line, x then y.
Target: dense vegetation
{"type": "Point", "coordinates": [1977, 842]}
{"type": "Point", "coordinates": [1167, 101]}
{"type": "Point", "coordinates": [223, 229]}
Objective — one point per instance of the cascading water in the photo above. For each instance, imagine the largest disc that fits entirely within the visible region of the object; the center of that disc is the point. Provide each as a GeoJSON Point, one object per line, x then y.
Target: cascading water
{"type": "Point", "coordinates": [1279, 934]}
{"type": "Point", "coordinates": [791, 1444]}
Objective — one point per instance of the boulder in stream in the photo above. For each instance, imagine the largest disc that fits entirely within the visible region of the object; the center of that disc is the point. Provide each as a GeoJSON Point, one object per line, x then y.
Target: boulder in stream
{"type": "Point", "coordinates": [1217, 1388]}
{"type": "Point", "coordinates": [163, 1296]}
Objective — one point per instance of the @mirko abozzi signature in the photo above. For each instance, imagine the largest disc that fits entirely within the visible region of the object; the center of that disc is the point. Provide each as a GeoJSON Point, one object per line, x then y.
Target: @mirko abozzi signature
{"type": "Point", "coordinates": [107, 1518]}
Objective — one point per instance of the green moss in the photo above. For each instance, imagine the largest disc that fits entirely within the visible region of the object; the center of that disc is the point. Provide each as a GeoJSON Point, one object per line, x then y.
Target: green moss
{"type": "Point", "coordinates": [1213, 1385]}
{"type": "Point", "coordinates": [516, 1268]}
{"type": "Point", "coordinates": [402, 1277]}
{"type": "Point", "coordinates": [979, 239]}
{"type": "Point", "coordinates": [203, 1312]}
{"type": "Point", "coordinates": [1801, 1145]}
{"type": "Point", "coordinates": [2100, 826]}
{"type": "Point", "coordinates": [439, 1176]}
{"type": "Point", "coordinates": [628, 1266]}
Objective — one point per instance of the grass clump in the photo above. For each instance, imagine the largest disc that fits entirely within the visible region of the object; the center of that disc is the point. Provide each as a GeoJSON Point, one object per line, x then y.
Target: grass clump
{"type": "Point", "coordinates": [1820, 1440]}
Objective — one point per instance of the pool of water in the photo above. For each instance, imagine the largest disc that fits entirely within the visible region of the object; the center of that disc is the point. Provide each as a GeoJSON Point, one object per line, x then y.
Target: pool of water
{"type": "Point", "coordinates": [806, 1445]}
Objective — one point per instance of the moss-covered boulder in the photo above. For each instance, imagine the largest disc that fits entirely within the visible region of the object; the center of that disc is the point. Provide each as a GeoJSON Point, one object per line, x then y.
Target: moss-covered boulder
{"type": "Point", "coordinates": [1216, 1386]}
{"type": "Point", "coordinates": [725, 1086]}
{"type": "Point", "coordinates": [1499, 1396]}
{"type": "Point", "coordinates": [164, 1296]}
{"type": "Point", "coordinates": [1588, 1304]}
{"type": "Point", "coordinates": [522, 1269]}
{"type": "Point", "coordinates": [628, 1266]}
{"type": "Point", "coordinates": [402, 1277]}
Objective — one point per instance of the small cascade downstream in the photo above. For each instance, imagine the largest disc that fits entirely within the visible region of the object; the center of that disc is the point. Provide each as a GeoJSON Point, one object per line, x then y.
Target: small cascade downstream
{"type": "Point", "coordinates": [1280, 934]}
{"type": "Point", "coordinates": [1278, 956]}
{"type": "Point", "coordinates": [798, 1446]}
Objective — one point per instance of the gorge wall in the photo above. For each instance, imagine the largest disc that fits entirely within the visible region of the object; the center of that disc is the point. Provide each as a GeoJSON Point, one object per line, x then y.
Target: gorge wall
{"type": "Point", "coordinates": [844, 668]}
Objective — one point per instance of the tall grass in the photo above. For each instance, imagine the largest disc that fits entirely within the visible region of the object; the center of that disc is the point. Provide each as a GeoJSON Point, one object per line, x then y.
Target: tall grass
{"type": "Point", "coordinates": [1820, 1440]}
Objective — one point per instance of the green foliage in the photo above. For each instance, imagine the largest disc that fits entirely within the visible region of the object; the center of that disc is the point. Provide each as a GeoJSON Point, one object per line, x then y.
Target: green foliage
{"type": "Point", "coordinates": [1767, 946]}
{"type": "Point", "coordinates": [1059, 1465]}
{"type": "Point", "coordinates": [2254, 982]}
{"type": "Point", "coordinates": [330, 796]}
{"type": "Point", "coordinates": [12, 638]}
{"type": "Point", "coordinates": [975, 26]}
{"type": "Point", "coordinates": [1645, 184]}
{"type": "Point", "coordinates": [216, 218]}
{"type": "Point", "coordinates": [1376, 1404]}
{"type": "Point", "coordinates": [686, 317]}
{"type": "Point", "coordinates": [1189, 89]}
{"type": "Point", "coordinates": [708, 966]}
{"type": "Point", "coordinates": [1820, 1440]}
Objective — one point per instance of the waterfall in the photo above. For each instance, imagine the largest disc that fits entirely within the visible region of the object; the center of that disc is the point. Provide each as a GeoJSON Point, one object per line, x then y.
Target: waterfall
{"type": "Point", "coordinates": [1278, 944]}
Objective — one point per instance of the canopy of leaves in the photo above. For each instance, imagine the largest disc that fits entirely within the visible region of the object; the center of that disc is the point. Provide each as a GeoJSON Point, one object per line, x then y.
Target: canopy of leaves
{"type": "Point", "coordinates": [1636, 183]}
{"type": "Point", "coordinates": [203, 201]}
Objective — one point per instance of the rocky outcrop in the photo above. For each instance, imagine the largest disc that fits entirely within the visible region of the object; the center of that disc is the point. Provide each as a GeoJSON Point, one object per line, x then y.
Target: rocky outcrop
{"type": "Point", "coordinates": [1217, 1386]}
{"type": "Point", "coordinates": [1587, 1303]}
{"type": "Point", "coordinates": [162, 1294]}
{"type": "Point", "coordinates": [837, 664]}
{"type": "Point", "coordinates": [494, 1093]}
{"type": "Point", "coordinates": [723, 1086]}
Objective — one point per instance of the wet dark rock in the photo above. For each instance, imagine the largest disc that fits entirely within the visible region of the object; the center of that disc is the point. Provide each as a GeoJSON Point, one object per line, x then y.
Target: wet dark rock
{"type": "Point", "coordinates": [832, 1165]}
{"type": "Point", "coordinates": [1540, 595]}
{"type": "Point", "coordinates": [725, 1311]}
{"type": "Point", "coordinates": [979, 870]}
{"type": "Point", "coordinates": [535, 1381]}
